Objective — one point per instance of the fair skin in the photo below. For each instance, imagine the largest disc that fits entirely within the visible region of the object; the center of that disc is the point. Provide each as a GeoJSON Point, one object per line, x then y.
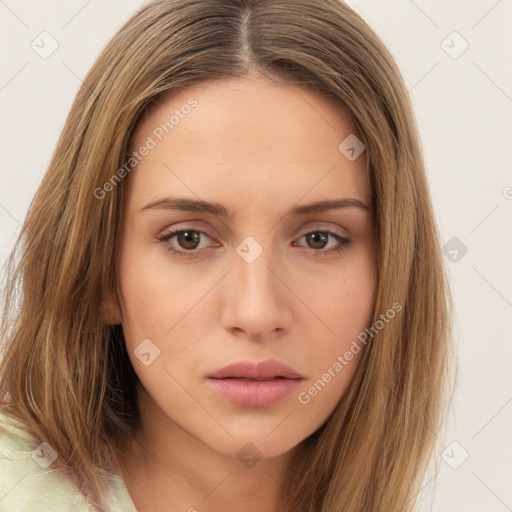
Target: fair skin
{"type": "Point", "coordinates": [258, 148]}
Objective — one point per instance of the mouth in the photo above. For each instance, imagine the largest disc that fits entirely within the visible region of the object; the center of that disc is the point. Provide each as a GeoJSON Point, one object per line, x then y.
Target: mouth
{"type": "Point", "coordinates": [255, 385]}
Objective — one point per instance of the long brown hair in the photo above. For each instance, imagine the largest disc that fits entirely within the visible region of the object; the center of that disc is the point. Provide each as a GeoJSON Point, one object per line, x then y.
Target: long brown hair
{"type": "Point", "coordinates": [66, 375]}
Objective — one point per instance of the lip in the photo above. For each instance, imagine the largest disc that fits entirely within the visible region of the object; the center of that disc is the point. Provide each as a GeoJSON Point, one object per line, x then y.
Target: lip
{"type": "Point", "coordinates": [237, 382]}
{"type": "Point", "coordinates": [266, 369]}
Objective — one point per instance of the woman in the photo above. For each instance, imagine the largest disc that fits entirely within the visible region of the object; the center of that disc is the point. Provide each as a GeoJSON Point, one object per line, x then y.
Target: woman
{"type": "Point", "coordinates": [230, 294]}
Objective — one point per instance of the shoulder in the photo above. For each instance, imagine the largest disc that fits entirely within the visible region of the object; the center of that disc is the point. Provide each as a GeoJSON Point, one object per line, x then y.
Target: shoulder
{"type": "Point", "coordinates": [27, 480]}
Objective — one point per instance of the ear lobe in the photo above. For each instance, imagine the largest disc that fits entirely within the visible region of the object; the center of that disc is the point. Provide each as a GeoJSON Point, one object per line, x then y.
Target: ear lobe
{"type": "Point", "coordinates": [110, 312]}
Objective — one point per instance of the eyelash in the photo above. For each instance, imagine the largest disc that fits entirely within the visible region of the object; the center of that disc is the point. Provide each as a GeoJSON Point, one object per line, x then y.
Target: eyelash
{"type": "Point", "coordinates": [165, 237]}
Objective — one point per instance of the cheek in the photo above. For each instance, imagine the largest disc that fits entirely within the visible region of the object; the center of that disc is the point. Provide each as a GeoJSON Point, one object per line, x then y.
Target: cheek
{"type": "Point", "coordinates": [345, 300]}
{"type": "Point", "coordinates": [150, 291]}
{"type": "Point", "coordinates": [347, 311]}
{"type": "Point", "coordinates": [345, 303]}
{"type": "Point", "coordinates": [169, 305]}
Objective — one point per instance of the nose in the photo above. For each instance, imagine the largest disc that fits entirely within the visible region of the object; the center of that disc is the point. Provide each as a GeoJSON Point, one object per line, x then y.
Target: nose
{"type": "Point", "coordinates": [257, 298]}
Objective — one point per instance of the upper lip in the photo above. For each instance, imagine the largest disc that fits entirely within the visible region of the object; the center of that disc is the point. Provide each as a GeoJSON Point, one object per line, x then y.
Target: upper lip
{"type": "Point", "coordinates": [263, 370]}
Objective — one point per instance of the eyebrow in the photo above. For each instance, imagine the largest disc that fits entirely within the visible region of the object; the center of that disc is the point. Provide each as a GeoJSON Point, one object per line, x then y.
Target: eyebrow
{"type": "Point", "coordinates": [199, 206]}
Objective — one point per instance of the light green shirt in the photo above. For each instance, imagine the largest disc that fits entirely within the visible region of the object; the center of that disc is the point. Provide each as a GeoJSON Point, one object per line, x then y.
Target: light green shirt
{"type": "Point", "coordinates": [29, 484]}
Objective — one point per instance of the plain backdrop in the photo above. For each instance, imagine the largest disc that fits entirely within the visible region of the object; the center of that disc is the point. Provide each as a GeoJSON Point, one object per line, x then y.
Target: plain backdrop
{"type": "Point", "coordinates": [455, 57]}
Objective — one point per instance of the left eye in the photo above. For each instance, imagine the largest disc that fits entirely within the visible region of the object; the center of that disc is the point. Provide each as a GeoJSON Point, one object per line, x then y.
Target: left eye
{"type": "Point", "coordinates": [190, 239]}
{"type": "Point", "coordinates": [322, 238]}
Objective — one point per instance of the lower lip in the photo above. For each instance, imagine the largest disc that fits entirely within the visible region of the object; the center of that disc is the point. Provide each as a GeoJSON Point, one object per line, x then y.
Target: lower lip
{"type": "Point", "coordinates": [254, 393]}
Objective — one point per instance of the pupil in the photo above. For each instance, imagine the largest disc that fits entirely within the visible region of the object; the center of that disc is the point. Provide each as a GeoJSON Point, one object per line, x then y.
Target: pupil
{"type": "Point", "coordinates": [318, 237]}
{"type": "Point", "coordinates": [188, 237]}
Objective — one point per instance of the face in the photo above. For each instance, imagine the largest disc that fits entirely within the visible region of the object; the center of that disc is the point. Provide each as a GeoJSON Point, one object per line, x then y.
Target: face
{"type": "Point", "coordinates": [251, 278]}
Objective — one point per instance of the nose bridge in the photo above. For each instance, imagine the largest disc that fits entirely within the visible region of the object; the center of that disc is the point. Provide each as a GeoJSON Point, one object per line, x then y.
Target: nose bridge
{"type": "Point", "coordinates": [255, 296]}
{"type": "Point", "coordinates": [252, 269]}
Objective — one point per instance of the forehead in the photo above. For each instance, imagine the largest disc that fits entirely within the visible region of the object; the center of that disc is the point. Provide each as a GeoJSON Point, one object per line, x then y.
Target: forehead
{"type": "Point", "coordinates": [249, 136]}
